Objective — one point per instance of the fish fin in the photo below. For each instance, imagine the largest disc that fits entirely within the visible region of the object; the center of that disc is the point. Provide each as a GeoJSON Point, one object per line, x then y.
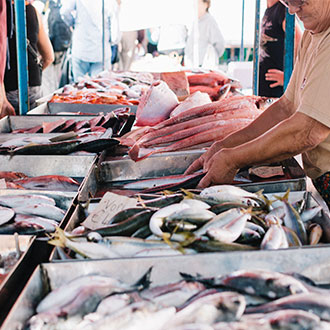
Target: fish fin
{"type": "Point", "coordinates": [188, 194]}
{"type": "Point", "coordinates": [58, 238]}
{"type": "Point", "coordinates": [283, 198]}
{"type": "Point", "coordinates": [140, 200]}
{"type": "Point", "coordinates": [144, 282]}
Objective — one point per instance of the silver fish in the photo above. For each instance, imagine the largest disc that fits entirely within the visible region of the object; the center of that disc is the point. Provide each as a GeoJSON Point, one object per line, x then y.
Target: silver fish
{"type": "Point", "coordinates": [42, 210]}
{"type": "Point", "coordinates": [6, 214]}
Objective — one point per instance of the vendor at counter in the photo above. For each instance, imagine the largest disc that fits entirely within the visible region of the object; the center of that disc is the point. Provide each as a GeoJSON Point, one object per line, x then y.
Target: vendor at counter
{"type": "Point", "coordinates": [299, 122]}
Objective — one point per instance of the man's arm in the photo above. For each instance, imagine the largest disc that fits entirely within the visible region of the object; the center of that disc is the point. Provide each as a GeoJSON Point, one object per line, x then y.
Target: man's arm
{"type": "Point", "coordinates": [290, 137]}
{"type": "Point", "coordinates": [277, 112]}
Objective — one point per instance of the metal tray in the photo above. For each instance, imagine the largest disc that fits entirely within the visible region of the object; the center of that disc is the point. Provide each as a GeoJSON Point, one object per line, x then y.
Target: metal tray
{"type": "Point", "coordinates": [110, 173]}
{"type": "Point", "coordinates": [54, 108]}
{"type": "Point", "coordinates": [76, 166]}
{"type": "Point", "coordinates": [311, 262]}
{"type": "Point", "coordinates": [36, 252]}
{"type": "Point", "coordinates": [10, 123]}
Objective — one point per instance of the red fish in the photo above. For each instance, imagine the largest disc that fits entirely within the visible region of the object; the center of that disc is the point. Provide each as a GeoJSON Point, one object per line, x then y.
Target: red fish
{"type": "Point", "coordinates": [211, 79]}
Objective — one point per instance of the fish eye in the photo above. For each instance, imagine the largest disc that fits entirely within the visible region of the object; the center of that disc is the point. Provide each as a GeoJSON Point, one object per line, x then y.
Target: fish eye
{"type": "Point", "coordinates": [94, 237]}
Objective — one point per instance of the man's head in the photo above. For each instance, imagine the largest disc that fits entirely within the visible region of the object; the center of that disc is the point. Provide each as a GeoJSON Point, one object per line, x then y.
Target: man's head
{"type": "Point", "coordinates": [315, 14]}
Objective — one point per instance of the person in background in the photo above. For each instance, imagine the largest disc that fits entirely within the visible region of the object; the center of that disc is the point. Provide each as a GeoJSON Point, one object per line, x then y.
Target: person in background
{"type": "Point", "coordinates": [40, 55]}
{"type": "Point", "coordinates": [211, 44]}
{"type": "Point", "coordinates": [115, 31]}
{"type": "Point", "coordinates": [298, 122]}
{"type": "Point", "coordinates": [85, 16]}
{"type": "Point", "coordinates": [5, 107]}
{"type": "Point", "coordinates": [172, 39]}
{"type": "Point", "coordinates": [271, 63]}
{"type": "Point", "coordinates": [152, 36]}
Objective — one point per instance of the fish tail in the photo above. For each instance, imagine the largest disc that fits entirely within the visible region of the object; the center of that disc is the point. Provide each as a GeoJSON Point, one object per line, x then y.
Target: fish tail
{"type": "Point", "coordinates": [144, 282]}
{"type": "Point", "coordinates": [58, 238]}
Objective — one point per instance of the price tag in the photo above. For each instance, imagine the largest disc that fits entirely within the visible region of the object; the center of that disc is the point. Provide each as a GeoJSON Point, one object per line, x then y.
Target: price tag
{"type": "Point", "coordinates": [109, 205]}
{"type": "Point", "coordinates": [3, 184]}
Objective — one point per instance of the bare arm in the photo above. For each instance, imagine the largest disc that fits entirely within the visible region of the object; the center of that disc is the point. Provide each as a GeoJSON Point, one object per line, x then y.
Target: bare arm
{"type": "Point", "coordinates": [274, 114]}
{"type": "Point", "coordinates": [290, 137]}
{"type": "Point", "coordinates": [44, 45]}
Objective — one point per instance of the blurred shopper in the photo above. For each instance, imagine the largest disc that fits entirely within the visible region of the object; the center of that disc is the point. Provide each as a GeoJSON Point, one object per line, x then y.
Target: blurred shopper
{"type": "Point", "coordinates": [152, 37]}
{"type": "Point", "coordinates": [271, 64]}
{"type": "Point", "coordinates": [85, 16]}
{"type": "Point", "coordinates": [211, 44]}
{"type": "Point", "coordinates": [39, 53]}
{"type": "Point", "coordinates": [172, 39]}
{"type": "Point", "coordinates": [5, 107]}
{"type": "Point", "coordinates": [115, 31]}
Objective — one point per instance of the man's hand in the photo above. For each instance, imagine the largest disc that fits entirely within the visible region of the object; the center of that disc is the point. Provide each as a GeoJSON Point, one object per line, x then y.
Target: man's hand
{"type": "Point", "coordinates": [275, 75]}
{"type": "Point", "coordinates": [6, 109]}
{"type": "Point", "coordinates": [202, 160]}
{"type": "Point", "coordinates": [221, 170]}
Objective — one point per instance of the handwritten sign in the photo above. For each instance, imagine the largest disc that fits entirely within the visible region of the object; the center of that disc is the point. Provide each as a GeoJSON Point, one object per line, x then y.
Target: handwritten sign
{"type": "Point", "coordinates": [109, 205]}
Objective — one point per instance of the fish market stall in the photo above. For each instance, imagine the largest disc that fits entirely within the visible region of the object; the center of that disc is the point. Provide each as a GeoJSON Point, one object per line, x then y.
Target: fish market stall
{"type": "Point", "coordinates": [122, 276]}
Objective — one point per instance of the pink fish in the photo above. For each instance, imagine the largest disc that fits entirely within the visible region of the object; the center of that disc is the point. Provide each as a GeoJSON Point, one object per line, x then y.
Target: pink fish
{"type": "Point", "coordinates": [156, 105]}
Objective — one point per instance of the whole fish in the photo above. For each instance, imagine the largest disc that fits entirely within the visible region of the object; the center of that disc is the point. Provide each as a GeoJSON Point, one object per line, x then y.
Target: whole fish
{"type": "Point", "coordinates": [227, 306]}
{"type": "Point", "coordinates": [42, 210]}
{"type": "Point", "coordinates": [287, 319]}
{"type": "Point", "coordinates": [319, 304]}
{"type": "Point", "coordinates": [262, 283]}
{"type": "Point", "coordinates": [21, 200]}
{"type": "Point", "coordinates": [49, 182]}
{"type": "Point", "coordinates": [48, 225]}
{"type": "Point", "coordinates": [83, 294]}
{"type": "Point", "coordinates": [230, 193]}
{"type": "Point", "coordinates": [274, 238]}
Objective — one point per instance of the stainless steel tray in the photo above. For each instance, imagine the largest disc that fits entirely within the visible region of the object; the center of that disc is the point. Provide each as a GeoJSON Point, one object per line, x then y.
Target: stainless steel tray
{"type": "Point", "coordinates": [10, 123]}
{"type": "Point", "coordinates": [112, 172]}
{"type": "Point", "coordinates": [76, 166]}
{"type": "Point", "coordinates": [311, 262]}
{"type": "Point", "coordinates": [54, 108]}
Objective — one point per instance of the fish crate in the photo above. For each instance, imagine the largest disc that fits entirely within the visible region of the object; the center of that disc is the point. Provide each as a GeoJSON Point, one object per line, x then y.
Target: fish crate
{"type": "Point", "coordinates": [81, 210]}
{"type": "Point", "coordinates": [33, 253]}
{"type": "Point", "coordinates": [312, 262]}
{"type": "Point", "coordinates": [54, 108]}
{"type": "Point", "coordinates": [112, 173]}
{"type": "Point", "coordinates": [11, 123]}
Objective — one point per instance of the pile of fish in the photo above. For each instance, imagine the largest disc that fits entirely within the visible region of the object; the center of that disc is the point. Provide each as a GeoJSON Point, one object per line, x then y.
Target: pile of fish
{"type": "Point", "coordinates": [214, 83]}
{"type": "Point", "coordinates": [119, 120]}
{"type": "Point", "coordinates": [18, 180]}
{"type": "Point", "coordinates": [29, 214]}
{"type": "Point", "coordinates": [60, 145]}
{"type": "Point", "coordinates": [193, 128]}
{"type": "Point", "coordinates": [242, 300]}
{"type": "Point", "coordinates": [108, 88]}
{"type": "Point", "coordinates": [218, 218]}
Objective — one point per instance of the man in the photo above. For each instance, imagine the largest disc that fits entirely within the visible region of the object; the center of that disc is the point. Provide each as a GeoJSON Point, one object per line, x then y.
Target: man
{"type": "Point", "coordinates": [5, 107]}
{"type": "Point", "coordinates": [87, 40]}
{"type": "Point", "coordinates": [298, 122]}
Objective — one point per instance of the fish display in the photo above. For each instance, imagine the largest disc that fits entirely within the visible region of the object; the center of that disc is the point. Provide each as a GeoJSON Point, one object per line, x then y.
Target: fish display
{"type": "Point", "coordinates": [246, 299]}
{"type": "Point", "coordinates": [195, 127]}
{"type": "Point", "coordinates": [215, 219]}
{"type": "Point", "coordinates": [119, 120]}
{"type": "Point", "coordinates": [119, 88]}
{"type": "Point", "coordinates": [29, 214]}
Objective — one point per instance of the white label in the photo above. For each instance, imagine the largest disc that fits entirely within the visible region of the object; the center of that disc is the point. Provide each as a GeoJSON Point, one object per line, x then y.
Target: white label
{"type": "Point", "coordinates": [109, 205]}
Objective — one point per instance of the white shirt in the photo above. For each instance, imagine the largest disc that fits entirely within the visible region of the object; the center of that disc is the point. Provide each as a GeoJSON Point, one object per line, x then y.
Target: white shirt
{"type": "Point", "coordinates": [86, 18]}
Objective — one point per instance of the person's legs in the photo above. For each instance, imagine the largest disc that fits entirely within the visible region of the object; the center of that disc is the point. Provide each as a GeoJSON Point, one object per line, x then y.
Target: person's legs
{"type": "Point", "coordinates": [322, 185]}
{"type": "Point", "coordinates": [97, 67]}
{"type": "Point", "coordinates": [79, 68]}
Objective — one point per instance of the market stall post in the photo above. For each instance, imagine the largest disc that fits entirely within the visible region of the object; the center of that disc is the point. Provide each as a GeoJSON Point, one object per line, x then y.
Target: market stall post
{"type": "Point", "coordinates": [241, 53]}
{"type": "Point", "coordinates": [21, 45]}
{"type": "Point", "coordinates": [288, 47]}
{"type": "Point", "coordinates": [256, 49]}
